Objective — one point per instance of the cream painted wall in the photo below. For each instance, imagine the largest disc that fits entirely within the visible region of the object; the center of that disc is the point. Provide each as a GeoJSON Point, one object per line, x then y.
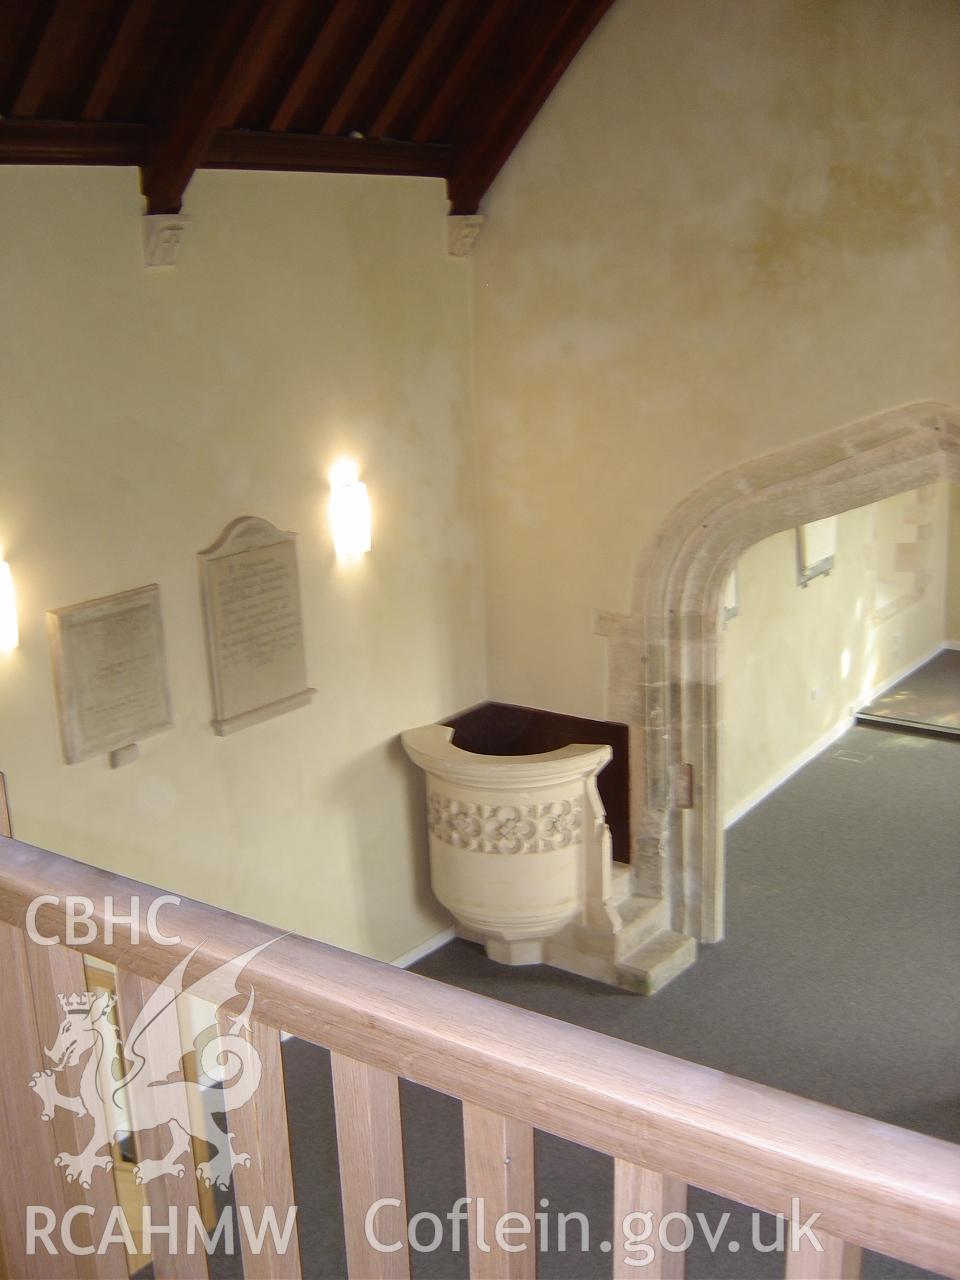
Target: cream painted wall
{"type": "Point", "coordinates": [141, 411]}
{"type": "Point", "coordinates": [797, 662]}
{"type": "Point", "coordinates": [953, 568]}
{"type": "Point", "coordinates": [731, 227]}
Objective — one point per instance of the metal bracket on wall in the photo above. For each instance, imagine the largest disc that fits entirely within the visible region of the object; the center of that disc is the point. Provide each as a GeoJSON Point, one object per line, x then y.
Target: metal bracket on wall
{"type": "Point", "coordinates": [683, 786]}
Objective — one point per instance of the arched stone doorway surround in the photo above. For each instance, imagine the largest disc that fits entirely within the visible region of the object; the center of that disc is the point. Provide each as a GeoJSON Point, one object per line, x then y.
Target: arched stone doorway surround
{"type": "Point", "coordinates": [663, 675]}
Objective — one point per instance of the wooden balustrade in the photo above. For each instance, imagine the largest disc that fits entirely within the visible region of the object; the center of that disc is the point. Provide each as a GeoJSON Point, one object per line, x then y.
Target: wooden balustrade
{"type": "Point", "coordinates": [499, 1159]}
{"type": "Point", "coordinates": [666, 1123]}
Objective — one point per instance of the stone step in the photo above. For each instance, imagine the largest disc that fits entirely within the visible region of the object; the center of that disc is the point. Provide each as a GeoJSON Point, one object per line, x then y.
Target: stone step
{"type": "Point", "coordinates": [652, 965]}
{"type": "Point", "coordinates": [642, 919]}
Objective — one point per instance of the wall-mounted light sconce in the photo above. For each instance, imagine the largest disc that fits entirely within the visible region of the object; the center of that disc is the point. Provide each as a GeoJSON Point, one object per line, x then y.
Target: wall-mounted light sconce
{"type": "Point", "coordinates": [9, 628]}
{"type": "Point", "coordinates": [349, 511]}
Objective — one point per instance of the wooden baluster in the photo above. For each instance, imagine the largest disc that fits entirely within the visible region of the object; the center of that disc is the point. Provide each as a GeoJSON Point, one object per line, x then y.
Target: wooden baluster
{"type": "Point", "coordinates": [640, 1190]}
{"type": "Point", "coordinates": [837, 1260]}
{"type": "Point", "coordinates": [260, 1129]}
{"type": "Point", "coordinates": [154, 1136]}
{"type": "Point", "coordinates": [55, 972]}
{"type": "Point", "coordinates": [29, 1143]}
{"type": "Point", "coordinates": [190, 1025]}
{"type": "Point", "coordinates": [370, 1144]}
{"type": "Point", "coordinates": [500, 1176]}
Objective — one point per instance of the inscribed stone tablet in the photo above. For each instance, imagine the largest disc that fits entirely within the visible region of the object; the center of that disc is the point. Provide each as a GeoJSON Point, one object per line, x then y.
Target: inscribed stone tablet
{"type": "Point", "coordinates": [251, 604]}
{"type": "Point", "coordinates": [110, 670]}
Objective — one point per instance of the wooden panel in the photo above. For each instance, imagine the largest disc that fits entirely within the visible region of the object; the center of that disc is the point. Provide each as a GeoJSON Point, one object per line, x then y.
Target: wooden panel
{"type": "Point", "coordinates": [419, 70]}
{"type": "Point", "coordinates": [44, 63]}
{"type": "Point", "coordinates": [274, 39]}
{"type": "Point", "coordinates": [876, 1185]}
{"type": "Point", "coordinates": [260, 1129]}
{"type": "Point", "coordinates": [640, 1190]}
{"type": "Point", "coordinates": [24, 1137]}
{"type": "Point", "coordinates": [458, 78]}
{"type": "Point", "coordinates": [130, 28]}
{"type": "Point", "coordinates": [324, 44]}
{"type": "Point", "coordinates": [56, 971]}
{"type": "Point", "coordinates": [836, 1260]}
{"type": "Point", "coordinates": [499, 1162]}
{"type": "Point", "coordinates": [370, 1145]}
{"type": "Point", "coordinates": [157, 1139]}
{"type": "Point", "coordinates": [369, 69]}
{"type": "Point", "coordinates": [504, 729]}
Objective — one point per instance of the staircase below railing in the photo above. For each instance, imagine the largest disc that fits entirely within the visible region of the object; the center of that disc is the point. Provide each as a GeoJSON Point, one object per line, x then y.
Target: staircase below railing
{"type": "Point", "coordinates": [667, 1123]}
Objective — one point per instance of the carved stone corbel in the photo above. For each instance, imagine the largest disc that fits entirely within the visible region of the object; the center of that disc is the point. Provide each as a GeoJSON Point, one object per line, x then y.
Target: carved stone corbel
{"type": "Point", "coordinates": [462, 230]}
{"type": "Point", "coordinates": [162, 233]}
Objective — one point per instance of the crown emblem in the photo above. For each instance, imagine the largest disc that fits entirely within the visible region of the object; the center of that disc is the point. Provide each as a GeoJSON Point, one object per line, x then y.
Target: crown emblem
{"type": "Point", "coordinates": [77, 1003]}
{"type": "Point", "coordinates": [83, 1002]}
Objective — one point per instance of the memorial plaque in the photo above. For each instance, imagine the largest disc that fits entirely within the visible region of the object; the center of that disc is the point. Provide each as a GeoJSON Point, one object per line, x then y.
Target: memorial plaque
{"type": "Point", "coordinates": [251, 606]}
{"type": "Point", "coordinates": [110, 671]}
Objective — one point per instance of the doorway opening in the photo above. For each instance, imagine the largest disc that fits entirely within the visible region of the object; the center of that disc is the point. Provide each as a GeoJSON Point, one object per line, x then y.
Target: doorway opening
{"type": "Point", "coordinates": [663, 656]}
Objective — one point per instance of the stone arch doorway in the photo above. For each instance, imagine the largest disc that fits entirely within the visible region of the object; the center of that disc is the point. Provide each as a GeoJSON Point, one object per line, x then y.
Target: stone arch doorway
{"type": "Point", "coordinates": [663, 674]}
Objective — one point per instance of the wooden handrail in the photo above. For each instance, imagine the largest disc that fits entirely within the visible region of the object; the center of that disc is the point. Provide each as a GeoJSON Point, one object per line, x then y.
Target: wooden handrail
{"type": "Point", "coordinates": [874, 1185]}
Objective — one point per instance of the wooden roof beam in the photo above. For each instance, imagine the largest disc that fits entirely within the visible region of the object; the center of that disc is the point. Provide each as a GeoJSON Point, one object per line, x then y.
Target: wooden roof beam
{"type": "Point", "coordinates": [129, 30]}
{"type": "Point", "coordinates": [44, 63]}
{"type": "Point", "coordinates": [365, 73]}
{"type": "Point", "coordinates": [310, 152]}
{"type": "Point", "coordinates": [71, 142]}
{"type": "Point", "coordinates": [456, 82]}
{"type": "Point", "coordinates": [419, 69]}
{"type": "Point", "coordinates": [235, 63]}
{"type": "Point", "coordinates": [96, 142]}
{"type": "Point", "coordinates": [324, 44]}
{"type": "Point", "coordinates": [479, 165]}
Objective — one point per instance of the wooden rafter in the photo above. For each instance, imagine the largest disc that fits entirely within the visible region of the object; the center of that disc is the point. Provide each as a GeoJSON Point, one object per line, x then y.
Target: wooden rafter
{"type": "Point", "coordinates": [457, 81]}
{"type": "Point", "coordinates": [43, 65]}
{"type": "Point", "coordinates": [419, 69]}
{"type": "Point", "coordinates": [369, 67]}
{"type": "Point", "coordinates": [442, 88]}
{"type": "Point", "coordinates": [228, 73]}
{"type": "Point", "coordinates": [479, 165]}
{"type": "Point", "coordinates": [128, 32]}
{"type": "Point", "coordinates": [324, 44]}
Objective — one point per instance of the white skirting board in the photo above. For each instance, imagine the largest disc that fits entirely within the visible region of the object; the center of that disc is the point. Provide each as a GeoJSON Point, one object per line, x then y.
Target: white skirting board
{"type": "Point", "coordinates": [827, 739]}
{"type": "Point", "coordinates": [424, 949]}
{"type": "Point", "coordinates": [779, 778]}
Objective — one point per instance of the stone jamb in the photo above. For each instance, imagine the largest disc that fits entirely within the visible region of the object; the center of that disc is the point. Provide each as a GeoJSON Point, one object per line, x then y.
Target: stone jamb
{"type": "Point", "coordinates": [663, 674]}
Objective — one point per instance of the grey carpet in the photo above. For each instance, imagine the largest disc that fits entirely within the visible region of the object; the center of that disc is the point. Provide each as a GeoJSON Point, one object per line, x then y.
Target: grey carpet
{"type": "Point", "coordinates": [929, 697]}
{"type": "Point", "coordinates": [837, 981]}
